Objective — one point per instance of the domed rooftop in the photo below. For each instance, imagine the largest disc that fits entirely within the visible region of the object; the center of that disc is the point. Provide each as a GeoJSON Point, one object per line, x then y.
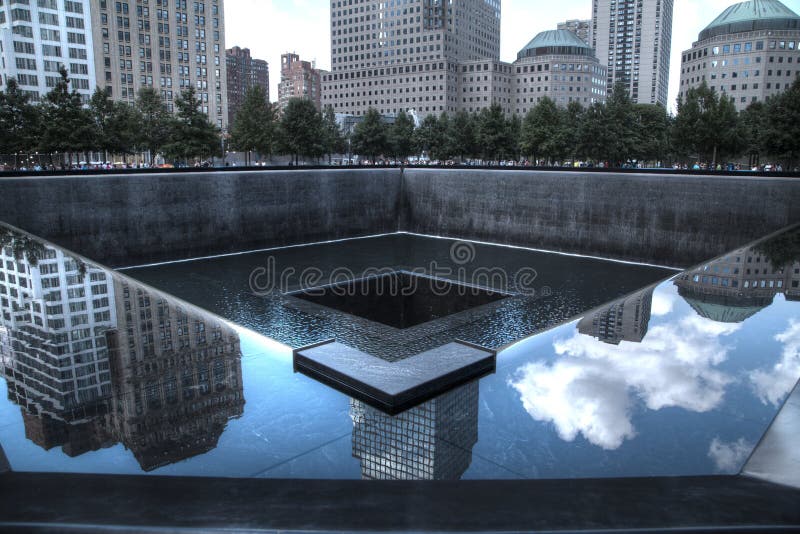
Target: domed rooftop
{"type": "Point", "coordinates": [750, 16]}
{"type": "Point", "coordinates": [556, 42]}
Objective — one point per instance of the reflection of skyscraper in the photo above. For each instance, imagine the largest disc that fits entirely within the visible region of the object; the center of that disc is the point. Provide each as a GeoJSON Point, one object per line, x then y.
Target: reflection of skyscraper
{"type": "Point", "coordinates": [55, 314]}
{"type": "Point", "coordinates": [737, 286]}
{"type": "Point", "coordinates": [177, 378]}
{"type": "Point", "coordinates": [624, 320]}
{"type": "Point", "coordinates": [430, 442]}
{"type": "Point", "coordinates": [92, 359]}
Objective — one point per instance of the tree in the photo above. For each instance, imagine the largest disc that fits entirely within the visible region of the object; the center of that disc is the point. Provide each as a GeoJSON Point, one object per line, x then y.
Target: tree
{"type": "Point", "coordinates": [593, 135]}
{"type": "Point", "coordinates": [253, 128]}
{"type": "Point", "coordinates": [652, 133]}
{"type": "Point", "coordinates": [115, 124]}
{"type": "Point", "coordinates": [371, 135]}
{"type": "Point", "coordinates": [571, 121]}
{"type": "Point", "coordinates": [334, 141]}
{"type": "Point", "coordinates": [621, 126]}
{"type": "Point", "coordinates": [67, 126]}
{"type": "Point", "coordinates": [782, 127]}
{"type": "Point", "coordinates": [401, 136]}
{"type": "Point", "coordinates": [754, 123]}
{"type": "Point", "coordinates": [707, 125]}
{"type": "Point", "coordinates": [463, 135]}
{"type": "Point", "coordinates": [301, 130]}
{"type": "Point", "coordinates": [190, 133]}
{"type": "Point", "coordinates": [543, 132]}
{"type": "Point", "coordinates": [154, 122]}
{"type": "Point", "coordinates": [19, 120]}
{"type": "Point", "coordinates": [493, 134]}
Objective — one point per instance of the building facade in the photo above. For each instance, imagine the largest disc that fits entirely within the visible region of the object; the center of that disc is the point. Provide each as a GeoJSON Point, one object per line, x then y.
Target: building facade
{"type": "Point", "coordinates": [165, 45]}
{"type": "Point", "coordinates": [750, 52]}
{"type": "Point", "coordinates": [393, 57]}
{"type": "Point", "coordinates": [633, 39]}
{"type": "Point", "coordinates": [558, 65]}
{"type": "Point", "coordinates": [299, 79]}
{"type": "Point", "coordinates": [36, 38]}
{"type": "Point", "coordinates": [243, 72]}
{"type": "Point", "coordinates": [581, 28]}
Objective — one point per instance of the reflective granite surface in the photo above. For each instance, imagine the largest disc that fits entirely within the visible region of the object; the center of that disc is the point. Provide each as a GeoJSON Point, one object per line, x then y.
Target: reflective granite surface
{"type": "Point", "coordinates": [104, 375]}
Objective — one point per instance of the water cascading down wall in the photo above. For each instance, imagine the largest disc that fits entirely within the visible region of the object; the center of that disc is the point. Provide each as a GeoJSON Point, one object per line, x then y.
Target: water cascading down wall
{"type": "Point", "coordinates": [668, 219]}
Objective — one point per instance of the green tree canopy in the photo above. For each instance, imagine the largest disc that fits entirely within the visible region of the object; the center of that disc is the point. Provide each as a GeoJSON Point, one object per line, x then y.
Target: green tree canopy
{"type": "Point", "coordinates": [116, 124]}
{"type": "Point", "coordinates": [191, 135]}
{"type": "Point", "coordinates": [707, 125]}
{"type": "Point", "coordinates": [67, 125]}
{"type": "Point", "coordinates": [782, 127]}
{"type": "Point", "coordinates": [463, 134]}
{"type": "Point", "coordinates": [301, 130]}
{"type": "Point", "coordinates": [401, 136]}
{"type": "Point", "coordinates": [543, 132]}
{"type": "Point", "coordinates": [334, 141]}
{"type": "Point", "coordinates": [652, 133]}
{"type": "Point", "coordinates": [19, 120]}
{"type": "Point", "coordinates": [494, 134]}
{"type": "Point", "coordinates": [154, 122]}
{"type": "Point", "coordinates": [253, 128]}
{"type": "Point", "coordinates": [371, 136]}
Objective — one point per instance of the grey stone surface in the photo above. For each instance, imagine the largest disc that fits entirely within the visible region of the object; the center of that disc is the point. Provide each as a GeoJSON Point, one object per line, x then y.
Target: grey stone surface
{"type": "Point", "coordinates": [667, 219]}
{"type": "Point", "coordinates": [134, 219]}
{"type": "Point", "coordinates": [777, 457]}
{"type": "Point", "coordinates": [394, 387]}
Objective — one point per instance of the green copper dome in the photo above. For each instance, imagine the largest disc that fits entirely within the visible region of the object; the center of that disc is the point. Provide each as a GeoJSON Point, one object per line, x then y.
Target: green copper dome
{"type": "Point", "coordinates": [562, 42]}
{"type": "Point", "coordinates": [750, 16]}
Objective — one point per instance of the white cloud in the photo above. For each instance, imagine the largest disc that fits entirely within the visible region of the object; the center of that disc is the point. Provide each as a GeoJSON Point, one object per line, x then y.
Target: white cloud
{"type": "Point", "coordinates": [729, 457]}
{"type": "Point", "coordinates": [662, 304]}
{"type": "Point", "coordinates": [591, 388]}
{"type": "Point", "coordinates": [774, 384]}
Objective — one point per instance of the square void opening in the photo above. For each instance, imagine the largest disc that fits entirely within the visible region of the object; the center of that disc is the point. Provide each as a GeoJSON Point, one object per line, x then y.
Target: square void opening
{"type": "Point", "coordinates": [399, 299]}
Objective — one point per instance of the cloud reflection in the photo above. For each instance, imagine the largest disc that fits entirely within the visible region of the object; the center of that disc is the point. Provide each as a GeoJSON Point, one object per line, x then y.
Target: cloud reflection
{"type": "Point", "coordinates": [592, 388]}
{"type": "Point", "coordinates": [729, 457]}
{"type": "Point", "coordinates": [773, 385]}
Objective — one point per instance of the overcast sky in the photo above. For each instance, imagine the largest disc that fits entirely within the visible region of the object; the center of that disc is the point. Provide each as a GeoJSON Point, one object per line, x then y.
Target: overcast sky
{"type": "Point", "coordinates": [270, 28]}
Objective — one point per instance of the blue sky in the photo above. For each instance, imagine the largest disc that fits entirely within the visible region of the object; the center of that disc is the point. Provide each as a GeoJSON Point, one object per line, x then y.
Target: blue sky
{"type": "Point", "coordinates": [272, 27]}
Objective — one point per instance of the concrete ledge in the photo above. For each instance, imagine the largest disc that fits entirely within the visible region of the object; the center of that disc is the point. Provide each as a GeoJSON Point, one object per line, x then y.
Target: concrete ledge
{"type": "Point", "coordinates": [49, 502]}
{"type": "Point", "coordinates": [394, 387]}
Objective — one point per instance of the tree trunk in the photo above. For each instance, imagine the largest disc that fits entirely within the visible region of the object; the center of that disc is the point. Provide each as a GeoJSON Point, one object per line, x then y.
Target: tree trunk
{"type": "Point", "coordinates": [714, 159]}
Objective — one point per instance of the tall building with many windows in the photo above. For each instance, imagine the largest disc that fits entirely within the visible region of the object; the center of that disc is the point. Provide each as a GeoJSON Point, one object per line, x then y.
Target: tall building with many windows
{"type": "Point", "coordinates": [168, 45]}
{"type": "Point", "coordinates": [37, 37]}
{"type": "Point", "coordinates": [299, 79]}
{"type": "Point", "coordinates": [750, 52]}
{"type": "Point", "coordinates": [393, 55]}
{"type": "Point", "coordinates": [633, 39]}
{"type": "Point", "coordinates": [581, 28]}
{"type": "Point", "coordinates": [243, 72]}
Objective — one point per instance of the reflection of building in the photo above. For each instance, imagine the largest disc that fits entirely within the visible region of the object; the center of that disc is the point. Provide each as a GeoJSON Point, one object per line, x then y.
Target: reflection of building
{"type": "Point", "coordinates": [177, 379]}
{"type": "Point", "coordinates": [623, 320]}
{"type": "Point", "coordinates": [92, 360]}
{"type": "Point", "coordinates": [430, 442]}
{"type": "Point", "coordinates": [633, 39]}
{"type": "Point", "coordinates": [736, 287]}
{"type": "Point", "coordinates": [745, 53]}
{"type": "Point", "coordinates": [299, 79]}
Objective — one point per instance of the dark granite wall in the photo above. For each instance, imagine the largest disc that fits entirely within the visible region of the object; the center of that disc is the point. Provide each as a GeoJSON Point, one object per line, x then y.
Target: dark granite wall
{"type": "Point", "coordinates": [674, 220]}
{"type": "Point", "coordinates": [133, 219]}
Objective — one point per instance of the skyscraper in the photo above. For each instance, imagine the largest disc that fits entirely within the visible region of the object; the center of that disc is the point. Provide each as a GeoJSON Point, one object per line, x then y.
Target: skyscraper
{"type": "Point", "coordinates": [393, 56]}
{"type": "Point", "coordinates": [243, 72]}
{"type": "Point", "coordinates": [36, 38]}
{"type": "Point", "coordinates": [581, 28]}
{"type": "Point", "coordinates": [166, 45]}
{"type": "Point", "coordinates": [633, 38]}
{"type": "Point", "coordinates": [299, 79]}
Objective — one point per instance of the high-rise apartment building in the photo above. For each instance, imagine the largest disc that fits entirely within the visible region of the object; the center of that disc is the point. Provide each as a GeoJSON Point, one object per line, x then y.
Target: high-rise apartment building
{"type": "Point", "coordinates": [749, 52]}
{"type": "Point", "coordinates": [168, 45]}
{"type": "Point", "coordinates": [581, 28]}
{"type": "Point", "coordinates": [396, 56]}
{"type": "Point", "coordinates": [299, 79]}
{"type": "Point", "coordinates": [37, 37]}
{"type": "Point", "coordinates": [633, 39]}
{"type": "Point", "coordinates": [243, 72]}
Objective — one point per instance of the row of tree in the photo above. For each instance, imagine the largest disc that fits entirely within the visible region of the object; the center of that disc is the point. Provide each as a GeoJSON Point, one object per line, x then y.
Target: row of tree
{"type": "Point", "coordinates": [63, 124]}
{"type": "Point", "coordinates": [706, 128]}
